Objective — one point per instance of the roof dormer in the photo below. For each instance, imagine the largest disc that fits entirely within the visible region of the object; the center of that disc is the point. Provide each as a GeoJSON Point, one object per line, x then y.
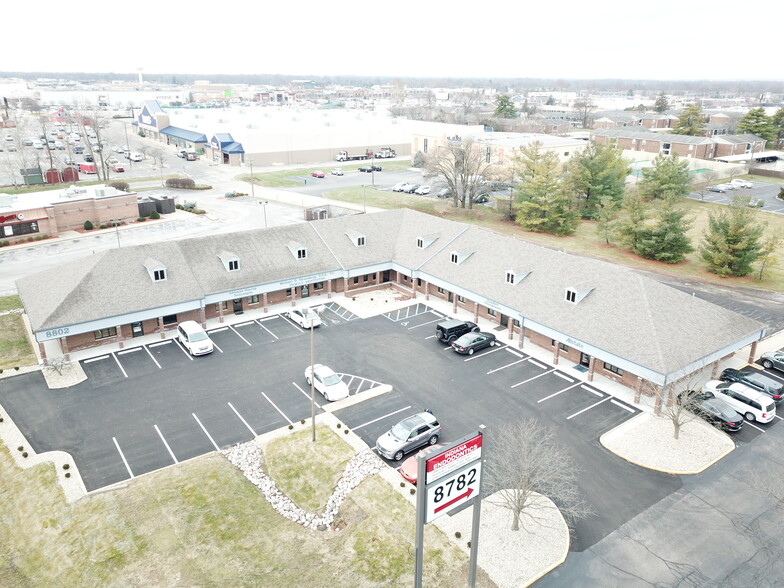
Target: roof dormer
{"type": "Point", "coordinates": [230, 261]}
{"type": "Point", "coordinates": [298, 250]}
{"type": "Point", "coordinates": [515, 277]}
{"type": "Point", "coordinates": [156, 270]}
{"type": "Point", "coordinates": [358, 239]}
{"type": "Point", "coordinates": [575, 295]}
{"type": "Point", "coordinates": [423, 242]}
{"type": "Point", "coordinates": [457, 257]}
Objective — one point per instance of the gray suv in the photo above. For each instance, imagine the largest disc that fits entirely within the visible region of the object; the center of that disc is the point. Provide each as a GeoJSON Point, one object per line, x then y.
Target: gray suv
{"type": "Point", "coordinates": [409, 434]}
{"type": "Point", "coordinates": [450, 330]}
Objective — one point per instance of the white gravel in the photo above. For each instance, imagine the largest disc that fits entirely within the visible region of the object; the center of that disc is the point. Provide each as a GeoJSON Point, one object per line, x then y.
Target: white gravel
{"type": "Point", "coordinates": [648, 441]}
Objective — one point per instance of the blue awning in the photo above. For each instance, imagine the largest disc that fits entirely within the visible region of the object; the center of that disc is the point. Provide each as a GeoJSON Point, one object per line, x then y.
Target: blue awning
{"type": "Point", "coordinates": [233, 148]}
{"type": "Point", "coordinates": [184, 134]}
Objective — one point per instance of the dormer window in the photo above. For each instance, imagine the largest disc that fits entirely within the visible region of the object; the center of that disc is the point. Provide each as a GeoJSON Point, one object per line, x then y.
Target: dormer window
{"type": "Point", "coordinates": [155, 269]}
{"type": "Point", "coordinates": [510, 278]}
{"type": "Point", "coordinates": [358, 239]}
{"type": "Point", "coordinates": [423, 242]}
{"type": "Point", "coordinates": [571, 295]}
{"type": "Point", "coordinates": [515, 277]}
{"type": "Point", "coordinates": [458, 258]}
{"type": "Point", "coordinates": [577, 294]}
{"type": "Point", "coordinates": [298, 250]}
{"type": "Point", "coordinates": [230, 261]}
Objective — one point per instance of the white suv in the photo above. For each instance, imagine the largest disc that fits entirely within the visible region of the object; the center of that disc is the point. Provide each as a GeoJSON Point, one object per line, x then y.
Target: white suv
{"type": "Point", "coordinates": [754, 405]}
{"type": "Point", "coordinates": [738, 183]}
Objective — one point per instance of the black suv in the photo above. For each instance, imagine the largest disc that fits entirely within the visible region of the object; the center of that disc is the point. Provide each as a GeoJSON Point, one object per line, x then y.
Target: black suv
{"type": "Point", "coordinates": [449, 330]}
{"type": "Point", "coordinates": [761, 382]}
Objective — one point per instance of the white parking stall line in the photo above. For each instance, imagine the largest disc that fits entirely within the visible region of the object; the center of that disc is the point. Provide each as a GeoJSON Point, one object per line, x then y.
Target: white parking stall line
{"type": "Point", "coordinates": [621, 405]}
{"type": "Point", "coordinates": [359, 387]}
{"type": "Point", "coordinates": [166, 444]}
{"type": "Point", "coordinates": [276, 408]}
{"type": "Point", "coordinates": [119, 365]}
{"type": "Point", "coordinates": [529, 379]}
{"type": "Point", "coordinates": [99, 358]}
{"type": "Point", "coordinates": [496, 347]}
{"type": "Point", "coordinates": [269, 318]}
{"type": "Point", "coordinates": [438, 314]}
{"type": "Point", "coordinates": [557, 393]}
{"type": "Point", "coordinates": [215, 345]}
{"type": "Point", "coordinates": [591, 390]}
{"type": "Point", "coordinates": [778, 417]}
{"type": "Point", "coordinates": [266, 329]}
{"type": "Point", "coordinates": [127, 351]}
{"type": "Point", "coordinates": [125, 461]}
{"type": "Point", "coordinates": [423, 324]}
{"type": "Point", "coordinates": [381, 417]}
{"type": "Point", "coordinates": [537, 364]}
{"type": "Point", "coordinates": [219, 330]}
{"type": "Point", "coordinates": [215, 445]}
{"type": "Point", "coordinates": [159, 343]}
{"type": "Point", "coordinates": [595, 404]}
{"type": "Point", "coordinates": [397, 316]}
{"type": "Point", "coordinates": [513, 352]}
{"type": "Point", "coordinates": [244, 422]}
{"type": "Point", "coordinates": [748, 423]}
{"type": "Point", "coordinates": [564, 377]}
{"type": "Point", "coordinates": [245, 324]}
{"type": "Point", "coordinates": [241, 337]}
{"type": "Point", "coordinates": [292, 323]}
{"type": "Point", "coordinates": [503, 367]}
{"type": "Point", "coordinates": [152, 357]}
{"type": "Point", "coordinates": [305, 394]}
{"type": "Point", "coordinates": [349, 382]}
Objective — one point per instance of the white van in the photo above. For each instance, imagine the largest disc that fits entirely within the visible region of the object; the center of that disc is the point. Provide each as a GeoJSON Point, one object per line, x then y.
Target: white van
{"type": "Point", "coordinates": [135, 156]}
{"type": "Point", "coordinates": [752, 404]}
{"type": "Point", "coordinates": [194, 338]}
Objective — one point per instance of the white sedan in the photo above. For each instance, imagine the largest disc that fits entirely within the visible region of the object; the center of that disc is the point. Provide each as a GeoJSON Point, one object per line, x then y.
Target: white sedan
{"type": "Point", "coordinates": [305, 317]}
{"type": "Point", "coordinates": [327, 382]}
{"type": "Point", "coordinates": [422, 190]}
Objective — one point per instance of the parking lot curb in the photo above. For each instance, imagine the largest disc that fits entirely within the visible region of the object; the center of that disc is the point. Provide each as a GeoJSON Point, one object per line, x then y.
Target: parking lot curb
{"type": "Point", "coordinates": [357, 398]}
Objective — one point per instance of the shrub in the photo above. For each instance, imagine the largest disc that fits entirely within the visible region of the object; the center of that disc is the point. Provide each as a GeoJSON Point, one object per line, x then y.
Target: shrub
{"type": "Point", "coordinates": [122, 186]}
{"type": "Point", "coordinates": [24, 454]}
{"type": "Point", "coordinates": [302, 422]}
{"type": "Point", "coordinates": [20, 448]}
{"type": "Point", "coordinates": [66, 466]}
{"type": "Point", "coordinates": [88, 226]}
{"type": "Point", "coordinates": [346, 431]}
{"type": "Point", "coordinates": [154, 215]}
{"type": "Point", "coordinates": [458, 535]}
{"type": "Point", "coordinates": [182, 183]}
{"type": "Point", "coordinates": [141, 219]}
{"type": "Point", "coordinates": [339, 425]}
{"type": "Point", "coordinates": [412, 491]}
{"type": "Point", "coordinates": [67, 474]}
{"type": "Point", "coordinates": [30, 239]}
{"type": "Point", "coordinates": [103, 227]}
{"type": "Point", "coordinates": [291, 427]}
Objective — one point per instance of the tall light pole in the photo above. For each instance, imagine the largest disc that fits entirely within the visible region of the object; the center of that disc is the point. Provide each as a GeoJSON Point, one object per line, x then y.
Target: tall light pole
{"type": "Point", "coordinates": [312, 384]}
{"type": "Point", "coordinates": [116, 223]}
{"type": "Point", "coordinates": [364, 201]}
{"type": "Point", "coordinates": [253, 190]}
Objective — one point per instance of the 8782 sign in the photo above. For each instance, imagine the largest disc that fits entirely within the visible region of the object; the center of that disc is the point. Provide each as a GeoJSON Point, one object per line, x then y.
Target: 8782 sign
{"type": "Point", "coordinates": [452, 491]}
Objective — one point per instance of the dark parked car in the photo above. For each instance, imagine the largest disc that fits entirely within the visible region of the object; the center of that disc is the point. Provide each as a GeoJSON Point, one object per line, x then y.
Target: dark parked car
{"type": "Point", "coordinates": [449, 330]}
{"type": "Point", "coordinates": [89, 158]}
{"type": "Point", "coordinates": [481, 199]}
{"type": "Point", "coordinates": [411, 189]}
{"type": "Point", "coordinates": [369, 168]}
{"type": "Point", "coordinates": [713, 410]}
{"type": "Point", "coordinates": [757, 381]}
{"type": "Point", "coordinates": [471, 342]}
{"type": "Point", "coordinates": [773, 359]}
{"type": "Point", "coordinates": [444, 193]}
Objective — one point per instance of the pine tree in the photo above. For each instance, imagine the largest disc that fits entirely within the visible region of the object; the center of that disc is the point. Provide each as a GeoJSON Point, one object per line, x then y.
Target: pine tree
{"type": "Point", "coordinates": [778, 125]}
{"type": "Point", "coordinates": [666, 239]}
{"type": "Point", "coordinates": [768, 257]}
{"type": "Point", "coordinates": [756, 122]}
{"type": "Point", "coordinates": [606, 213]}
{"type": "Point", "coordinates": [668, 177]}
{"type": "Point", "coordinates": [731, 241]}
{"type": "Point", "coordinates": [691, 121]}
{"type": "Point", "coordinates": [599, 171]}
{"type": "Point", "coordinates": [629, 226]}
{"type": "Point", "coordinates": [661, 104]}
{"type": "Point", "coordinates": [504, 107]}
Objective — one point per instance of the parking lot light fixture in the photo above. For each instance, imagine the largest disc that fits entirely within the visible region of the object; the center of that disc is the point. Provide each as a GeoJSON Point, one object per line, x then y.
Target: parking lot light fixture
{"type": "Point", "coordinates": [116, 223]}
{"type": "Point", "coordinates": [312, 385]}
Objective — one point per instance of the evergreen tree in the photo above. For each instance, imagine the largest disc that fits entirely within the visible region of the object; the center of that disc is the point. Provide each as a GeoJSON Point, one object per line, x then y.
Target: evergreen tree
{"type": "Point", "coordinates": [691, 121]}
{"type": "Point", "coordinates": [768, 257]}
{"type": "Point", "coordinates": [504, 107]}
{"type": "Point", "coordinates": [668, 177]}
{"type": "Point", "coordinates": [756, 122]}
{"type": "Point", "coordinates": [544, 206]}
{"type": "Point", "coordinates": [731, 241]}
{"type": "Point", "coordinates": [597, 172]}
{"type": "Point", "coordinates": [606, 213]}
{"type": "Point", "coordinates": [629, 226]}
{"type": "Point", "coordinates": [661, 104]}
{"type": "Point", "coordinates": [666, 240]}
{"type": "Point", "coordinates": [778, 125]}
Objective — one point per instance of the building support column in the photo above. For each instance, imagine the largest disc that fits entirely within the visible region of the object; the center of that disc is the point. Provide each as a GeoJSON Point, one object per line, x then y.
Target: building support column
{"type": "Point", "coordinates": [329, 289]}
{"type": "Point", "coordinates": [294, 291]}
{"type": "Point", "coordinates": [715, 370]}
{"type": "Point", "coordinates": [657, 406]}
{"type": "Point", "coordinates": [637, 390]}
{"type": "Point", "coordinates": [556, 353]}
{"type": "Point", "coordinates": [454, 303]}
{"type": "Point", "coordinates": [591, 368]}
{"type": "Point", "coordinates": [265, 302]}
{"type": "Point", "coordinates": [476, 311]}
{"type": "Point", "coordinates": [345, 287]}
{"type": "Point", "coordinates": [752, 352]}
{"type": "Point", "coordinates": [220, 311]}
{"type": "Point", "coordinates": [510, 327]}
{"type": "Point", "coordinates": [64, 347]}
{"type": "Point", "coordinates": [522, 336]}
{"type": "Point", "coordinates": [42, 352]}
{"type": "Point", "coordinates": [120, 337]}
{"type": "Point", "coordinates": [203, 317]}
{"type": "Point", "coordinates": [427, 291]}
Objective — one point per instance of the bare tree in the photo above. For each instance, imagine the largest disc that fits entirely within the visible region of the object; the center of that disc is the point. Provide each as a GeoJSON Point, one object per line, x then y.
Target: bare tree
{"type": "Point", "coordinates": [464, 165]}
{"type": "Point", "coordinates": [585, 109]}
{"type": "Point", "coordinates": [704, 182]}
{"type": "Point", "coordinates": [526, 461]}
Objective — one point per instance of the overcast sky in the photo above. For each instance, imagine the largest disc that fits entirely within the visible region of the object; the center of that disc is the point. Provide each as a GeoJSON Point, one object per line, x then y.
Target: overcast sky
{"type": "Point", "coordinates": [660, 39]}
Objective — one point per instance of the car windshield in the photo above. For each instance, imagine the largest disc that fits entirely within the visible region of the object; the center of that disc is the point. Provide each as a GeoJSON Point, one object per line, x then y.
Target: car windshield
{"type": "Point", "coordinates": [331, 379]}
{"type": "Point", "coordinates": [198, 336]}
{"type": "Point", "coordinates": [309, 314]}
{"type": "Point", "coordinates": [465, 339]}
{"type": "Point", "coordinates": [403, 429]}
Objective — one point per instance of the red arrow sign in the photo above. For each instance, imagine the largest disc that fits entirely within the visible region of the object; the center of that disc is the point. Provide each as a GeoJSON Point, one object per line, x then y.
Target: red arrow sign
{"type": "Point", "coordinates": [457, 498]}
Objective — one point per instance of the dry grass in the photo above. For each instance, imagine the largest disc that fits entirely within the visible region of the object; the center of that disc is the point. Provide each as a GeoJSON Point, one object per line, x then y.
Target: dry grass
{"type": "Point", "coordinates": [202, 523]}
{"type": "Point", "coordinates": [10, 302]}
{"type": "Point", "coordinates": [15, 349]}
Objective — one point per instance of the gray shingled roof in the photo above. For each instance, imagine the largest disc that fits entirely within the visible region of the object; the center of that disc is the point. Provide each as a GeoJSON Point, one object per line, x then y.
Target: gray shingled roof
{"type": "Point", "coordinates": [737, 139]}
{"type": "Point", "coordinates": [638, 133]}
{"type": "Point", "coordinates": [624, 313]}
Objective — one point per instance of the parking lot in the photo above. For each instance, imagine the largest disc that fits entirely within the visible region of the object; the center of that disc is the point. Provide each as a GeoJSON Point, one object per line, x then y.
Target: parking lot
{"type": "Point", "coordinates": [764, 191]}
{"type": "Point", "coordinates": [151, 406]}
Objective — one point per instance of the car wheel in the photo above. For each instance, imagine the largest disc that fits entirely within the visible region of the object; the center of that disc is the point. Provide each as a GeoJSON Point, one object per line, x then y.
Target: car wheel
{"type": "Point", "coordinates": [749, 416]}
{"type": "Point", "coordinates": [492, 343]}
{"type": "Point", "coordinates": [307, 379]}
{"type": "Point", "coordinates": [452, 338]}
{"type": "Point", "coordinates": [471, 351]}
{"type": "Point", "coordinates": [767, 364]}
{"type": "Point", "coordinates": [475, 329]}
{"type": "Point", "coordinates": [399, 455]}
{"type": "Point", "coordinates": [433, 440]}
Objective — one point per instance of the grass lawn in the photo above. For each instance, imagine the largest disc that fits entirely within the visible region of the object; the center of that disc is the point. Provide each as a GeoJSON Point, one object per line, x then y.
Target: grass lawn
{"type": "Point", "coordinates": [15, 349]}
{"type": "Point", "coordinates": [293, 177]}
{"type": "Point", "coordinates": [585, 241]}
{"type": "Point", "coordinates": [202, 523]}
{"type": "Point", "coordinates": [10, 302]}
